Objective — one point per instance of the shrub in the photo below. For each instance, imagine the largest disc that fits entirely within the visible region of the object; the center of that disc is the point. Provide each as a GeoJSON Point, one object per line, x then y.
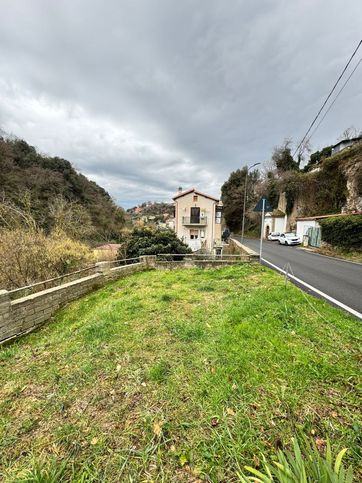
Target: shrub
{"type": "Point", "coordinates": [343, 231]}
{"type": "Point", "coordinates": [65, 254]}
{"type": "Point", "coordinates": [28, 256]}
{"type": "Point", "coordinates": [309, 466]}
{"type": "Point", "coordinates": [147, 241]}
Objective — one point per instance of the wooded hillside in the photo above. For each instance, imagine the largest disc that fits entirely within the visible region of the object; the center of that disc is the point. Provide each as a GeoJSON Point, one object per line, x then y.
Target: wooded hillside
{"type": "Point", "coordinates": [24, 171]}
{"type": "Point", "coordinates": [331, 185]}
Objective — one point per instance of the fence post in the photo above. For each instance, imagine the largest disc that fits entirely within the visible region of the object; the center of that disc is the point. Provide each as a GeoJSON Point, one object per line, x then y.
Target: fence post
{"type": "Point", "coordinates": [103, 267]}
{"type": "Point", "coordinates": [149, 261]}
{"type": "Point", "coordinates": [5, 314]}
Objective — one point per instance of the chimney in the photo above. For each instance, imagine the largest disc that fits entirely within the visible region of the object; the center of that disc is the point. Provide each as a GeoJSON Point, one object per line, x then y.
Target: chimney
{"type": "Point", "coordinates": [179, 189]}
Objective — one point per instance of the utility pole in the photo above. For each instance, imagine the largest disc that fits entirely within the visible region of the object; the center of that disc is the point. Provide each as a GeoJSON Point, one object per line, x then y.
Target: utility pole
{"type": "Point", "coordinates": [244, 207]}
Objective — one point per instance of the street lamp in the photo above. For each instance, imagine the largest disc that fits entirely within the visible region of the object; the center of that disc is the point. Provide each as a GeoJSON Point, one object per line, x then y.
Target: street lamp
{"type": "Point", "coordinates": [246, 180]}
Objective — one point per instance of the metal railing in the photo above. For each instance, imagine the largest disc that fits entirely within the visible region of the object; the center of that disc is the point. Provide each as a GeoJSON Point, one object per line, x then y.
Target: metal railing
{"type": "Point", "coordinates": [124, 261]}
{"type": "Point", "coordinates": [50, 283]}
{"type": "Point", "coordinates": [187, 220]}
{"type": "Point", "coordinates": [65, 278]}
{"type": "Point", "coordinates": [181, 257]}
{"type": "Point", "coordinates": [93, 269]}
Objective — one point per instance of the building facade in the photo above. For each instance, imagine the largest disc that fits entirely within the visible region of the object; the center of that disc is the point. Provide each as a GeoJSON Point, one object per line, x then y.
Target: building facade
{"type": "Point", "coordinates": [309, 227]}
{"type": "Point", "coordinates": [198, 220]}
{"type": "Point", "coordinates": [345, 143]}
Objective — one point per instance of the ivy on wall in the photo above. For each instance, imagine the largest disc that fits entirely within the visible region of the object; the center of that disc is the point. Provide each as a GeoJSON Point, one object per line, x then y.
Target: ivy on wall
{"type": "Point", "coordinates": [320, 192]}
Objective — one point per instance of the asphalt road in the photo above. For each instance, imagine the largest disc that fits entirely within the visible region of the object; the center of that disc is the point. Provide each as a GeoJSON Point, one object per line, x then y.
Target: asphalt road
{"type": "Point", "coordinates": [339, 279]}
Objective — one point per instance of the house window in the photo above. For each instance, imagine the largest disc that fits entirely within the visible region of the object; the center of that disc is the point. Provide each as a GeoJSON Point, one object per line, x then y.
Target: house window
{"type": "Point", "coordinates": [218, 215]}
{"type": "Point", "coordinates": [195, 198]}
{"type": "Point", "coordinates": [194, 234]}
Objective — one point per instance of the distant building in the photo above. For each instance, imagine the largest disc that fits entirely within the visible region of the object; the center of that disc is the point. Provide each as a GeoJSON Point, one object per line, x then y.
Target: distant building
{"type": "Point", "coordinates": [170, 223]}
{"type": "Point", "coordinates": [276, 221]}
{"type": "Point", "coordinates": [345, 143]}
{"type": "Point", "coordinates": [309, 225]}
{"type": "Point", "coordinates": [198, 219]}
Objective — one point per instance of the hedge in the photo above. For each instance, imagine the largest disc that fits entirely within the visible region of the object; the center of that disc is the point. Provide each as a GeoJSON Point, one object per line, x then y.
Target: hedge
{"type": "Point", "coordinates": [343, 231]}
{"type": "Point", "coordinates": [148, 241]}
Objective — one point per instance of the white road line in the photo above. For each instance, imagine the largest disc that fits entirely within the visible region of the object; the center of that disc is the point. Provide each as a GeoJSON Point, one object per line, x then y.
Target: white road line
{"type": "Point", "coordinates": [322, 294]}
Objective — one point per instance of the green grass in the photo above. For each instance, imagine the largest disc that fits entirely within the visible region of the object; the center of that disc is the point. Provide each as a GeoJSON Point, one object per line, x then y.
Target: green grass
{"type": "Point", "coordinates": [184, 375]}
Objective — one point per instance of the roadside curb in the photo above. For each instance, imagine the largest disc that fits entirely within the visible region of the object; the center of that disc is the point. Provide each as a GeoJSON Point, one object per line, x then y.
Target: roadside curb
{"type": "Point", "coordinates": [328, 256]}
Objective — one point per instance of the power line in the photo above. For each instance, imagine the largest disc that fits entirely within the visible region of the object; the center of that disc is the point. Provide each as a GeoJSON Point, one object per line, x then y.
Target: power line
{"type": "Point", "coordinates": [334, 100]}
{"type": "Point", "coordinates": [329, 95]}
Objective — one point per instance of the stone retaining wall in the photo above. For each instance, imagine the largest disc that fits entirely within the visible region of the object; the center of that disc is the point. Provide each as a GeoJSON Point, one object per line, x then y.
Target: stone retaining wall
{"type": "Point", "coordinates": [22, 315]}
{"type": "Point", "coordinates": [166, 264]}
{"type": "Point", "coordinates": [25, 314]}
{"type": "Point", "coordinates": [243, 249]}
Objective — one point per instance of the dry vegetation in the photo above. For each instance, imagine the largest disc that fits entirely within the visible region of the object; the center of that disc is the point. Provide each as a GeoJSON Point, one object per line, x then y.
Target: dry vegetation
{"type": "Point", "coordinates": [28, 256]}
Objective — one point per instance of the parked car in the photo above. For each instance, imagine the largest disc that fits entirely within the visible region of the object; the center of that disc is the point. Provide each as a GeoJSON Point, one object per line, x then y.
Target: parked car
{"type": "Point", "coordinates": [289, 238]}
{"type": "Point", "coordinates": [274, 236]}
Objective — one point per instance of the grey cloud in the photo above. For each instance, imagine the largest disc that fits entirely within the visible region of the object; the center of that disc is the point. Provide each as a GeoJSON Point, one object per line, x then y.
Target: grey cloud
{"type": "Point", "coordinates": [147, 95]}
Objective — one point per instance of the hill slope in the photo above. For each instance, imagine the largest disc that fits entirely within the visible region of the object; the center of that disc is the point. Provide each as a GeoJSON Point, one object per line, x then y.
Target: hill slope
{"type": "Point", "coordinates": [333, 185]}
{"type": "Point", "coordinates": [23, 169]}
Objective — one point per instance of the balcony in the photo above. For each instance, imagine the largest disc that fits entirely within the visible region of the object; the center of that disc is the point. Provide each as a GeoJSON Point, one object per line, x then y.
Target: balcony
{"type": "Point", "coordinates": [190, 221]}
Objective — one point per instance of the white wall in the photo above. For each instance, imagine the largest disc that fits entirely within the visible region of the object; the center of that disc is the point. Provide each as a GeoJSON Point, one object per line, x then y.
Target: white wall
{"type": "Point", "coordinates": [303, 225]}
{"type": "Point", "coordinates": [280, 224]}
{"type": "Point", "coordinates": [275, 224]}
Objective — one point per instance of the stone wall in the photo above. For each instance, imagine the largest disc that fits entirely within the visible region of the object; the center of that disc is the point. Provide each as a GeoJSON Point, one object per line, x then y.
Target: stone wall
{"type": "Point", "coordinates": [24, 314]}
{"type": "Point", "coordinates": [239, 248]}
{"type": "Point", "coordinates": [166, 264]}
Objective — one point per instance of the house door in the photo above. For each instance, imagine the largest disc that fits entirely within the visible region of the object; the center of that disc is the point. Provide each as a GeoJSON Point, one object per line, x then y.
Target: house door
{"type": "Point", "coordinates": [195, 215]}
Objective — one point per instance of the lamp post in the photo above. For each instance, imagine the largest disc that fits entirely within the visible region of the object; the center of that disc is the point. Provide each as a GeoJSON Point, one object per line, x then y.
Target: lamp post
{"type": "Point", "coordinates": [246, 180]}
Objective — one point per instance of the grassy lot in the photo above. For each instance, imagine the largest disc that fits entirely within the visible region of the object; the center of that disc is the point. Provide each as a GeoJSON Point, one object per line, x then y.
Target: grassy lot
{"type": "Point", "coordinates": [185, 375]}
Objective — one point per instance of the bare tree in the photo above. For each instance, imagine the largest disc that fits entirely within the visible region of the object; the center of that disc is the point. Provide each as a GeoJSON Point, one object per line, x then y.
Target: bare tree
{"type": "Point", "coordinates": [305, 150]}
{"type": "Point", "coordinates": [19, 215]}
{"type": "Point", "coordinates": [350, 133]}
{"type": "Point", "coordinates": [70, 218]}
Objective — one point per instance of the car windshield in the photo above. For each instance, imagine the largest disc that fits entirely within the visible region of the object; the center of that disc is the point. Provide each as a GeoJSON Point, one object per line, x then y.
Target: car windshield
{"type": "Point", "coordinates": [290, 234]}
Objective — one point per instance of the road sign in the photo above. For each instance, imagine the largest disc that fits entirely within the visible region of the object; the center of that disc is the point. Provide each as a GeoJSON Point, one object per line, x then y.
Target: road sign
{"type": "Point", "coordinates": [267, 205]}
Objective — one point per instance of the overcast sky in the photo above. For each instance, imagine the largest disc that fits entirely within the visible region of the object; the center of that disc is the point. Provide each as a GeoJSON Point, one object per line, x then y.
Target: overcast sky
{"type": "Point", "coordinates": [143, 96]}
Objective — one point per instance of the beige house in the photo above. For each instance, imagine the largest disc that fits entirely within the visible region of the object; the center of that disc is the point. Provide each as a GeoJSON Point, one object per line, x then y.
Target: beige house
{"type": "Point", "coordinates": [198, 220]}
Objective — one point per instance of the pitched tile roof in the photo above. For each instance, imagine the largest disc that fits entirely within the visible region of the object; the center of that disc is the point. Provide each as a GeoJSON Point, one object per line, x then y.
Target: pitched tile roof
{"type": "Point", "coordinates": [193, 190]}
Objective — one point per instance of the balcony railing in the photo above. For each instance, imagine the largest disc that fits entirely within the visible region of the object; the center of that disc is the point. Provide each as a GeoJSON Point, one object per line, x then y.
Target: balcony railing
{"type": "Point", "coordinates": [187, 220]}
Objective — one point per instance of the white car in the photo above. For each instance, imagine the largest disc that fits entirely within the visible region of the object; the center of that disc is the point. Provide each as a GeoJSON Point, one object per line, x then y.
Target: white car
{"type": "Point", "coordinates": [289, 238]}
{"type": "Point", "coordinates": [274, 236]}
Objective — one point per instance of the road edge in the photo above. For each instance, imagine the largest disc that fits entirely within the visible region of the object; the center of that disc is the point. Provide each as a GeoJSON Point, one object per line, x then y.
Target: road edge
{"type": "Point", "coordinates": [315, 290]}
{"type": "Point", "coordinates": [329, 256]}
